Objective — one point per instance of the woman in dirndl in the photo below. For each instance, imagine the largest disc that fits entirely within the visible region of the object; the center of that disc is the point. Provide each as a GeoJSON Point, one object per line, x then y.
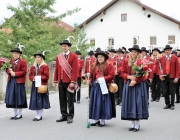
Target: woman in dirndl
{"type": "Point", "coordinates": [102, 106]}
{"type": "Point", "coordinates": [39, 101]}
{"type": "Point", "coordinates": [134, 100]}
{"type": "Point", "coordinates": [15, 90]}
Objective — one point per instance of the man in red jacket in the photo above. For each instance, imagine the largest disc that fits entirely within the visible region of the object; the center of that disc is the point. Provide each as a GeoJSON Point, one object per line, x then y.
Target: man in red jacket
{"type": "Point", "coordinates": [81, 65]}
{"type": "Point", "coordinates": [118, 79]}
{"type": "Point", "coordinates": [169, 74]}
{"type": "Point", "coordinates": [65, 75]}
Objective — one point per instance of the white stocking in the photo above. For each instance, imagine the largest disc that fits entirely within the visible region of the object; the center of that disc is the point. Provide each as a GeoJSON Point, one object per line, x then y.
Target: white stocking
{"type": "Point", "coordinates": [40, 113]}
{"type": "Point", "coordinates": [37, 113]}
{"type": "Point", "coordinates": [95, 121]}
{"type": "Point", "coordinates": [15, 112]}
{"type": "Point", "coordinates": [19, 112]}
{"type": "Point", "coordinates": [102, 121]}
{"type": "Point", "coordinates": [132, 124]}
{"type": "Point", "coordinates": [137, 123]}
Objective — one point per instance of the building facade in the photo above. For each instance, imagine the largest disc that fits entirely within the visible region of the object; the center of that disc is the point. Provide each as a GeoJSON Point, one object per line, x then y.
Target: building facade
{"type": "Point", "coordinates": [128, 22]}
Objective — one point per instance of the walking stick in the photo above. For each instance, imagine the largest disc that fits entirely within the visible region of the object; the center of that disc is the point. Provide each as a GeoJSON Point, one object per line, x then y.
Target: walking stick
{"type": "Point", "coordinates": [88, 123]}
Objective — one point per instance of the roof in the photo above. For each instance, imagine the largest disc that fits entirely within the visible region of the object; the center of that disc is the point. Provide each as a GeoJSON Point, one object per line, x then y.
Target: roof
{"type": "Point", "coordinates": [7, 30]}
{"type": "Point", "coordinates": [64, 25]}
{"type": "Point", "coordinates": [134, 1]}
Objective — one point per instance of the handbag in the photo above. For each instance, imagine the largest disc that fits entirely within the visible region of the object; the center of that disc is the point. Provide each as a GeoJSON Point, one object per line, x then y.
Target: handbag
{"type": "Point", "coordinates": [42, 89]}
{"type": "Point", "coordinates": [113, 88]}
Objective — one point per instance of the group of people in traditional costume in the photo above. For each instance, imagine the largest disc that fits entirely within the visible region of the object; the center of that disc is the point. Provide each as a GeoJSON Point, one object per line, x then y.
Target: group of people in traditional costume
{"type": "Point", "coordinates": [16, 91]}
{"type": "Point", "coordinates": [101, 69]}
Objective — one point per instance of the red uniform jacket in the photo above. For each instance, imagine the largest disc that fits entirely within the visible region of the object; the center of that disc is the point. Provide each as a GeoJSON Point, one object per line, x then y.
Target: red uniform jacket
{"type": "Point", "coordinates": [108, 74]}
{"type": "Point", "coordinates": [81, 65]}
{"type": "Point", "coordinates": [120, 64]}
{"type": "Point", "coordinates": [126, 70]}
{"type": "Point", "coordinates": [20, 70]}
{"type": "Point", "coordinates": [43, 72]}
{"type": "Point", "coordinates": [89, 61]}
{"type": "Point", "coordinates": [155, 68]}
{"type": "Point", "coordinates": [73, 62]}
{"type": "Point", "coordinates": [179, 69]}
{"type": "Point", "coordinates": [113, 61]}
{"type": "Point", "coordinates": [174, 72]}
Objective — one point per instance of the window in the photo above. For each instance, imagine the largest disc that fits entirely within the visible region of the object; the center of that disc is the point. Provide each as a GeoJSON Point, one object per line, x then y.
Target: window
{"type": "Point", "coordinates": [171, 39]}
{"type": "Point", "coordinates": [135, 40]}
{"type": "Point", "coordinates": [123, 17]}
{"type": "Point", "coordinates": [92, 42]}
{"type": "Point", "coordinates": [111, 42]}
{"type": "Point", "coordinates": [152, 40]}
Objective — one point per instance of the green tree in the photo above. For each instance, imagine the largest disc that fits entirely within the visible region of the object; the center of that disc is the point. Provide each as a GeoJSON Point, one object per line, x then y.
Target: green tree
{"type": "Point", "coordinates": [32, 28]}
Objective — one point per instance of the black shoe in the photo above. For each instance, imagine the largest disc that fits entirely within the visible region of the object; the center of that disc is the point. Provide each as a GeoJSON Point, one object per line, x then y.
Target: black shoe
{"type": "Point", "coordinates": [177, 102]}
{"type": "Point", "coordinates": [136, 129]}
{"type": "Point", "coordinates": [61, 119]}
{"type": "Point", "coordinates": [152, 100]}
{"type": "Point", "coordinates": [94, 124]}
{"type": "Point", "coordinates": [12, 118]}
{"type": "Point", "coordinates": [172, 107]}
{"type": "Point", "coordinates": [36, 119]}
{"type": "Point", "coordinates": [101, 125]}
{"type": "Point", "coordinates": [157, 100]}
{"type": "Point", "coordinates": [69, 120]}
{"type": "Point", "coordinates": [131, 129]}
{"type": "Point", "coordinates": [117, 102]}
{"type": "Point", "coordinates": [17, 118]}
{"type": "Point", "coordinates": [167, 106]}
{"type": "Point", "coordinates": [74, 100]}
{"type": "Point", "coordinates": [78, 102]}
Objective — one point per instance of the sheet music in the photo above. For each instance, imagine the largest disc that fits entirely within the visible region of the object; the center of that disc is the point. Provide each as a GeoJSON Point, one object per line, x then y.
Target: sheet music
{"type": "Point", "coordinates": [103, 85]}
{"type": "Point", "coordinates": [37, 81]}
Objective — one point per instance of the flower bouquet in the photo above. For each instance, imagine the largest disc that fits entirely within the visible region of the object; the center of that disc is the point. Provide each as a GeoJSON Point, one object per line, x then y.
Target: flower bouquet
{"type": "Point", "coordinates": [5, 65]}
{"type": "Point", "coordinates": [142, 68]}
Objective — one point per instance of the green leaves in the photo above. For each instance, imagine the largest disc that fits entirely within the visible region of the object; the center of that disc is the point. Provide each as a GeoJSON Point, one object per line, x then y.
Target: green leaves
{"type": "Point", "coordinates": [32, 28]}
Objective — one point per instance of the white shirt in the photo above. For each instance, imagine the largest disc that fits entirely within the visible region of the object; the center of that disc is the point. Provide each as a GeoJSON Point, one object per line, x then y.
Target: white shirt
{"type": "Point", "coordinates": [66, 53]}
{"type": "Point", "coordinates": [168, 56]}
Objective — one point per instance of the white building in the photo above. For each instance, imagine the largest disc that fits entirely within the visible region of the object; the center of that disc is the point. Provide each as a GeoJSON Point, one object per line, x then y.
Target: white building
{"type": "Point", "coordinates": [128, 22]}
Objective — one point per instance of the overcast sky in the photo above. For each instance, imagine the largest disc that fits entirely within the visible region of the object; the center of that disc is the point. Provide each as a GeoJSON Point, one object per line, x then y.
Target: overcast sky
{"type": "Point", "coordinates": [89, 7]}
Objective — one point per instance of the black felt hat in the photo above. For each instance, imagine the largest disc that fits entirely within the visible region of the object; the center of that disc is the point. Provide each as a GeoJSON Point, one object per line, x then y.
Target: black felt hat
{"type": "Point", "coordinates": [17, 50]}
{"type": "Point", "coordinates": [144, 49]}
{"type": "Point", "coordinates": [112, 50]}
{"type": "Point", "coordinates": [97, 50]}
{"type": "Point", "coordinates": [156, 50]}
{"type": "Point", "coordinates": [102, 53]}
{"type": "Point", "coordinates": [40, 54]}
{"type": "Point", "coordinates": [78, 52]}
{"type": "Point", "coordinates": [91, 53]}
{"type": "Point", "coordinates": [135, 47]}
{"type": "Point", "coordinates": [120, 50]}
{"type": "Point", "coordinates": [167, 47]}
{"type": "Point", "coordinates": [66, 42]}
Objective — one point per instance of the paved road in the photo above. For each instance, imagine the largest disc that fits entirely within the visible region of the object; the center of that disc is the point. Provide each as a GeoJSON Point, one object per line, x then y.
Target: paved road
{"type": "Point", "coordinates": [162, 124]}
